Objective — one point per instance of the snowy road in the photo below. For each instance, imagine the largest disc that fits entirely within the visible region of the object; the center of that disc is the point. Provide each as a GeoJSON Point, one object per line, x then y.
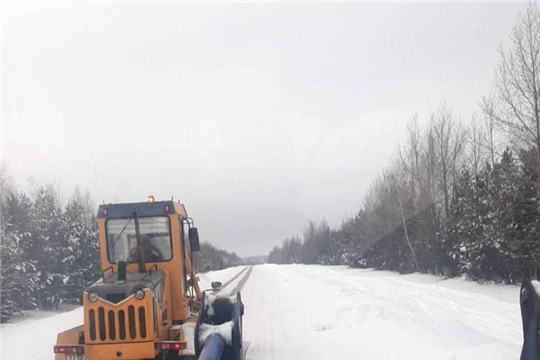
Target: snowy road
{"type": "Point", "coordinates": [315, 312]}
{"type": "Point", "coordinates": [301, 312]}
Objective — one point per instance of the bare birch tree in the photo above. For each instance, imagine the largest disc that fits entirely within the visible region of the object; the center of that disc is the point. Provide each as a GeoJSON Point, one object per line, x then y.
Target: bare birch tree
{"type": "Point", "coordinates": [449, 141]}
{"type": "Point", "coordinates": [516, 103]}
{"type": "Point", "coordinates": [490, 128]}
{"type": "Point", "coordinates": [410, 157]}
{"type": "Point", "coordinates": [476, 153]}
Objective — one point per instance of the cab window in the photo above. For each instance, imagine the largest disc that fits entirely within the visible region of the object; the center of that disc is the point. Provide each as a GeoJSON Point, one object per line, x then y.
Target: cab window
{"type": "Point", "coordinates": [155, 235]}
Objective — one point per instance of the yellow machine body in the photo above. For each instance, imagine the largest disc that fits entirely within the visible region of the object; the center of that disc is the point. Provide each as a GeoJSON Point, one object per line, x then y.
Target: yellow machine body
{"type": "Point", "coordinates": [135, 326]}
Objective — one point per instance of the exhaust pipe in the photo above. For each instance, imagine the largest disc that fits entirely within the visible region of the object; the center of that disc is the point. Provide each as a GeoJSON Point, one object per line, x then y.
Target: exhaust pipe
{"type": "Point", "coordinates": [122, 270]}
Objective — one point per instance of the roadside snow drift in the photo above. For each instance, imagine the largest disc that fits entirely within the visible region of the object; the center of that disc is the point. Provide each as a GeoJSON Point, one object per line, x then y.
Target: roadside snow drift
{"type": "Point", "coordinates": [315, 312]}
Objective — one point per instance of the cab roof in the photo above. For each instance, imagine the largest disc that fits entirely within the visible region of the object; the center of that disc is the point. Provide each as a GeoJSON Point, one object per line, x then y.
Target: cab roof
{"type": "Point", "coordinates": [143, 209]}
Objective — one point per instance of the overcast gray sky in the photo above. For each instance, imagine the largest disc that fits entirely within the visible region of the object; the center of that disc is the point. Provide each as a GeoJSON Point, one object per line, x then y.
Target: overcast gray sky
{"type": "Point", "coordinates": [257, 116]}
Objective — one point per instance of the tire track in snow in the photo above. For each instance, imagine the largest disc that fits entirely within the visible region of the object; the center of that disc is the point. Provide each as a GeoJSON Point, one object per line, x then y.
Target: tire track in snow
{"type": "Point", "coordinates": [239, 283]}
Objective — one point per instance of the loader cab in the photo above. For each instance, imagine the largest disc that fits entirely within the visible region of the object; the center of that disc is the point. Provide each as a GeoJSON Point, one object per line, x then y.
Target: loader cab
{"type": "Point", "coordinates": [148, 284]}
{"type": "Point", "coordinates": [149, 237]}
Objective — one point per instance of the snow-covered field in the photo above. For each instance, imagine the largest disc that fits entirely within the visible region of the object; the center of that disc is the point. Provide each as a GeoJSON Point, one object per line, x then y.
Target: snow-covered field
{"type": "Point", "coordinates": [315, 312]}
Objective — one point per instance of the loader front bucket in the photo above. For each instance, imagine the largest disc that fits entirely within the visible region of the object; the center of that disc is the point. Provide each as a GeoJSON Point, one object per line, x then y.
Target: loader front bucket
{"type": "Point", "coordinates": [220, 315]}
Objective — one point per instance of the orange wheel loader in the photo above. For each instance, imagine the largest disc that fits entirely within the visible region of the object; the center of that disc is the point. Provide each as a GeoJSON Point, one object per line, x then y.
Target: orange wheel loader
{"type": "Point", "coordinates": [148, 304]}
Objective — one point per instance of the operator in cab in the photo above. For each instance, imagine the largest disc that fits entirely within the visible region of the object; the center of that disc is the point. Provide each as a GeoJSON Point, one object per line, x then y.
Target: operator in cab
{"type": "Point", "coordinates": [151, 252]}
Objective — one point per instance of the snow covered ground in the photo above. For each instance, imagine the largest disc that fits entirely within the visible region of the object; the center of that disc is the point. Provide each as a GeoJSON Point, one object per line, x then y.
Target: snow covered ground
{"type": "Point", "coordinates": [315, 312]}
{"type": "Point", "coordinates": [42, 327]}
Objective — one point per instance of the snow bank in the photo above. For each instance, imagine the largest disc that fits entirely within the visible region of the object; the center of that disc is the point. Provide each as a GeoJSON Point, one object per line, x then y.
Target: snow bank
{"type": "Point", "coordinates": [42, 334]}
{"type": "Point", "coordinates": [317, 312]}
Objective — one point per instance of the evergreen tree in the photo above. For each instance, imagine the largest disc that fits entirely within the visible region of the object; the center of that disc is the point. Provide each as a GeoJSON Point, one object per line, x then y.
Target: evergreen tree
{"type": "Point", "coordinates": [525, 228]}
{"type": "Point", "coordinates": [49, 247]}
{"type": "Point", "coordinates": [211, 258]}
{"type": "Point", "coordinates": [18, 273]}
{"type": "Point", "coordinates": [82, 256]}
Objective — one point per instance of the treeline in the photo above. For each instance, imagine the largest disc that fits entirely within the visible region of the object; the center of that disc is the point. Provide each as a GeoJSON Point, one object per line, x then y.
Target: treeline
{"type": "Point", "coordinates": [316, 246]}
{"type": "Point", "coordinates": [211, 258]}
{"type": "Point", "coordinates": [456, 199]}
{"type": "Point", "coordinates": [49, 251]}
{"type": "Point", "coordinates": [255, 260]}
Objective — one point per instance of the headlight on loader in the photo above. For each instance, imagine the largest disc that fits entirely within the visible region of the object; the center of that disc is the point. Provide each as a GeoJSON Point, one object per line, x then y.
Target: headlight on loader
{"type": "Point", "coordinates": [92, 296]}
{"type": "Point", "coordinates": [139, 294]}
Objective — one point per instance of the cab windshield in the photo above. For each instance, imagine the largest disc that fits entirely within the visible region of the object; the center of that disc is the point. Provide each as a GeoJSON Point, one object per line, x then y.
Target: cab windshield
{"type": "Point", "coordinates": [122, 239]}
